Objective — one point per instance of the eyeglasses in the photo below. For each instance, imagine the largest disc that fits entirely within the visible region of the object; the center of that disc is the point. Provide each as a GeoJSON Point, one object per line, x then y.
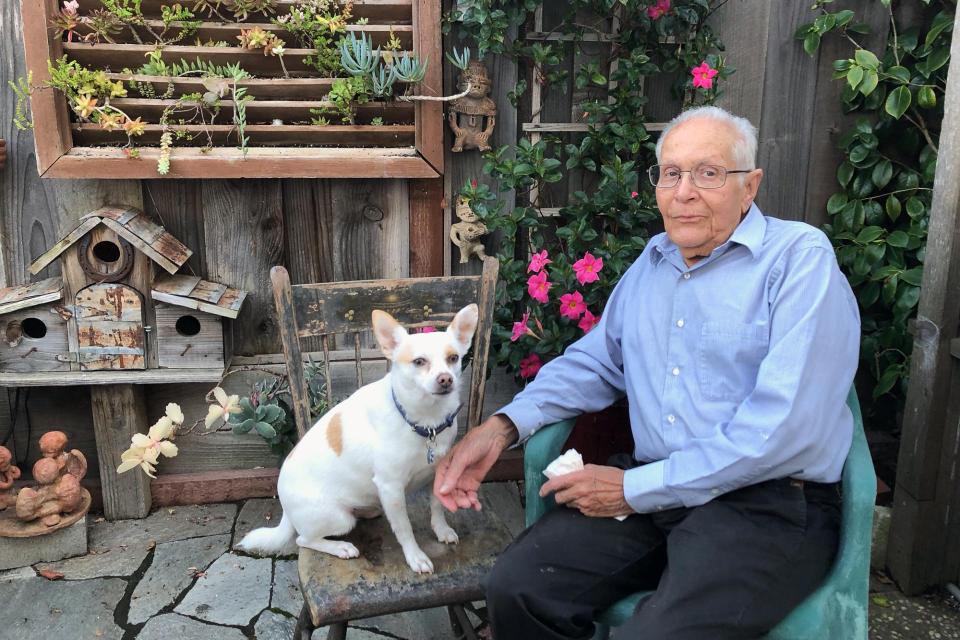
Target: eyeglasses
{"type": "Point", "coordinates": [704, 176]}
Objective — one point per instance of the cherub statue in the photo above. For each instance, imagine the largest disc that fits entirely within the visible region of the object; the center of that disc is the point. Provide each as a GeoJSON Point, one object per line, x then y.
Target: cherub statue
{"type": "Point", "coordinates": [467, 233]}
{"type": "Point", "coordinates": [467, 113]}
{"type": "Point", "coordinates": [53, 445]}
{"type": "Point", "coordinates": [56, 494]}
{"type": "Point", "coordinates": [8, 473]}
{"type": "Point", "coordinates": [58, 474]}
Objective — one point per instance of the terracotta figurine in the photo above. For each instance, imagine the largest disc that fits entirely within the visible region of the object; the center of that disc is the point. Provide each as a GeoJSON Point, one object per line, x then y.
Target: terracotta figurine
{"type": "Point", "coordinates": [467, 233]}
{"type": "Point", "coordinates": [8, 473]}
{"type": "Point", "coordinates": [58, 475]}
{"type": "Point", "coordinates": [467, 113]}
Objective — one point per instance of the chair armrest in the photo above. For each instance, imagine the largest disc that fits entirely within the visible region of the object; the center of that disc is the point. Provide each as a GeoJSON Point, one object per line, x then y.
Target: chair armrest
{"type": "Point", "coordinates": [539, 451]}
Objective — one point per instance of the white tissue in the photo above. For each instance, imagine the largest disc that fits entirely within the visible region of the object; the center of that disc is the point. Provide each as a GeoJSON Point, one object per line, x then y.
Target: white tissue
{"type": "Point", "coordinates": [570, 461]}
{"type": "Point", "coordinates": [567, 463]}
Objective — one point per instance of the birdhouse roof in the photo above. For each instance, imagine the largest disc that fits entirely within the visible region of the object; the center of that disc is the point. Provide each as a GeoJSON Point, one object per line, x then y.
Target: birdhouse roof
{"type": "Point", "coordinates": [132, 225]}
{"type": "Point", "coordinates": [30, 295]}
{"type": "Point", "coordinates": [193, 293]}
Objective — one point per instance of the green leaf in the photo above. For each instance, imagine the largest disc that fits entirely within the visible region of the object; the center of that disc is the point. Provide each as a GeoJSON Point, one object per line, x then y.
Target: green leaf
{"type": "Point", "coordinates": [898, 102]}
{"type": "Point", "coordinates": [941, 22]}
{"type": "Point", "coordinates": [907, 298]}
{"type": "Point", "coordinates": [913, 276]}
{"type": "Point", "coordinates": [854, 76]}
{"type": "Point", "coordinates": [245, 426]}
{"type": "Point", "coordinates": [272, 413]}
{"type": "Point", "coordinates": [843, 17]}
{"type": "Point", "coordinates": [915, 207]}
{"type": "Point", "coordinates": [866, 59]}
{"type": "Point", "coordinates": [869, 234]}
{"type": "Point", "coordinates": [901, 74]}
{"type": "Point", "coordinates": [926, 97]}
{"type": "Point", "coordinates": [882, 172]}
{"type": "Point", "coordinates": [265, 430]}
{"type": "Point", "coordinates": [844, 173]}
{"type": "Point", "coordinates": [893, 207]}
{"type": "Point", "coordinates": [858, 154]}
{"type": "Point", "coordinates": [886, 382]}
{"type": "Point", "coordinates": [939, 57]}
{"type": "Point", "coordinates": [898, 239]}
{"type": "Point", "coordinates": [870, 82]}
{"type": "Point", "coordinates": [836, 202]}
{"type": "Point", "coordinates": [890, 290]}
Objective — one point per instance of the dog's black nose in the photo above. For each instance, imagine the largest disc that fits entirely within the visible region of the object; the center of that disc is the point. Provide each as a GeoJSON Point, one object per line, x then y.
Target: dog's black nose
{"type": "Point", "coordinates": [445, 380]}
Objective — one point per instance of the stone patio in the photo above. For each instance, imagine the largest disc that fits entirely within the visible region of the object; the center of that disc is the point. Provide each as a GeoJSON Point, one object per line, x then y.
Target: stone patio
{"type": "Point", "coordinates": [173, 576]}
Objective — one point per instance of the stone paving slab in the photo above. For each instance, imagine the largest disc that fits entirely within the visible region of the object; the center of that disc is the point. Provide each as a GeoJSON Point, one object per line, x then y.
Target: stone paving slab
{"type": "Point", "coordinates": [164, 525]}
{"type": "Point", "coordinates": [172, 570]}
{"type": "Point", "coordinates": [274, 626]}
{"type": "Point", "coordinates": [17, 574]}
{"type": "Point", "coordinates": [427, 624]}
{"type": "Point", "coordinates": [894, 616]}
{"type": "Point", "coordinates": [40, 608]}
{"type": "Point", "coordinates": [170, 626]}
{"type": "Point", "coordinates": [63, 543]}
{"type": "Point", "coordinates": [257, 512]}
{"type": "Point", "coordinates": [235, 589]}
{"type": "Point", "coordinates": [286, 594]}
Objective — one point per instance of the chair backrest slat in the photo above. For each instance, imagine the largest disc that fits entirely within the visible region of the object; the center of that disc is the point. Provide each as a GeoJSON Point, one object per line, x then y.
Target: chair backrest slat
{"type": "Point", "coordinates": [329, 309]}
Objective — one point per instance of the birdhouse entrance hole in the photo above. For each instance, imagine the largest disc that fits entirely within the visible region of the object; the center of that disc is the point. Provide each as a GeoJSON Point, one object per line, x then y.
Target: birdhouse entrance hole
{"type": "Point", "coordinates": [106, 251]}
{"type": "Point", "coordinates": [33, 328]}
{"type": "Point", "coordinates": [188, 326]}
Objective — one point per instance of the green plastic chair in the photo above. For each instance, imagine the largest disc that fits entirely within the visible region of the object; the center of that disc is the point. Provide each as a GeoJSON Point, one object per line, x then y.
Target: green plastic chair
{"type": "Point", "coordinates": [835, 611]}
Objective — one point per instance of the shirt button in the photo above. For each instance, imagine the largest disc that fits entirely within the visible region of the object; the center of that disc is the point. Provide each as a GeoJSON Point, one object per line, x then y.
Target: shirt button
{"type": "Point", "coordinates": [680, 322]}
{"type": "Point", "coordinates": [676, 371]}
{"type": "Point", "coordinates": [686, 276]}
{"type": "Point", "coordinates": [671, 418]}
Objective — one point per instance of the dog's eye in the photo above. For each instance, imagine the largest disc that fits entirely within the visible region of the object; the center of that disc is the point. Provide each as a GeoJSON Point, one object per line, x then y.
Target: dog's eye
{"type": "Point", "coordinates": [452, 358]}
{"type": "Point", "coordinates": [419, 362]}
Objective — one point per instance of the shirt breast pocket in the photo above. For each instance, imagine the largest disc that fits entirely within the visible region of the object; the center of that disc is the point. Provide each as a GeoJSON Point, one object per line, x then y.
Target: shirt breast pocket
{"type": "Point", "coordinates": [729, 357]}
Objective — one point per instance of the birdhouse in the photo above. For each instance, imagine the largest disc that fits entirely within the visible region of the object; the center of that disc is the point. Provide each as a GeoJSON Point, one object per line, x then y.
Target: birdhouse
{"type": "Point", "coordinates": [120, 309]}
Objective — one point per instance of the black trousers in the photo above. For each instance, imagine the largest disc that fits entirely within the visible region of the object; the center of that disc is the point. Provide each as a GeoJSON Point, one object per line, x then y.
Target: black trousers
{"type": "Point", "coordinates": [729, 569]}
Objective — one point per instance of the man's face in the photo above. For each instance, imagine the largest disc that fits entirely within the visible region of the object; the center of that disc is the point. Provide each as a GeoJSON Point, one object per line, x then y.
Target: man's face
{"type": "Point", "coordinates": [699, 220]}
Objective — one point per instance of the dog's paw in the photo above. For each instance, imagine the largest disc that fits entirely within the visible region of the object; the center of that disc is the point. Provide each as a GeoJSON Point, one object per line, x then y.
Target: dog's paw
{"type": "Point", "coordinates": [418, 561]}
{"type": "Point", "coordinates": [446, 534]}
{"type": "Point", "coordinates": [341, 549]}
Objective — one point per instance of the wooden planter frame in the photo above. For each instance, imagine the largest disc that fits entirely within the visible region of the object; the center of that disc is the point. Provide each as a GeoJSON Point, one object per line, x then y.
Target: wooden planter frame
{"type": "Point", "coordinates": [406, 151]}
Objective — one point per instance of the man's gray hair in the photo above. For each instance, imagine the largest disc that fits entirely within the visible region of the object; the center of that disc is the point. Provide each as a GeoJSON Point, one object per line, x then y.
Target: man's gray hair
{"type": "Point", "coordinates": [744, 149]}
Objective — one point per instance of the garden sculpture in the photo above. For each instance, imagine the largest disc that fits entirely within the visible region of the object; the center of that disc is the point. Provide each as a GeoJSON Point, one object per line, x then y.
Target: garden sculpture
{"type": "Point", "coordinates": [467, 114]}
{"type": "Point", "coordinates": [466, 234]}
{"type": "Point", "coordinates": [57, 474]}
{"type": "Point", "coordinates": [8, 473]}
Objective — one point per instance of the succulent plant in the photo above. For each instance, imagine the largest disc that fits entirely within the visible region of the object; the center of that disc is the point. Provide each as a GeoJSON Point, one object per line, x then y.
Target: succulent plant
{"type": "Point", "coordinates": [357, 55]}
{"type": "Point", "coordinates": [410, 69]}
{"type": "Point", "coordinates": [382, 79]}
{"type": "Point", "coordinates": [460, 60]}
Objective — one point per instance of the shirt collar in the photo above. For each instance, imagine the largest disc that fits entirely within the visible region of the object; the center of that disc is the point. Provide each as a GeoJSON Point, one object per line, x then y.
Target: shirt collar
{"type": "Point", "coordinates": [748, 233]}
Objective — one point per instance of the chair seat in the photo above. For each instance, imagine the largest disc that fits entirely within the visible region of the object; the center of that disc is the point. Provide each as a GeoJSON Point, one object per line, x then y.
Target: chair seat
{"type": "Point", "coordinates": [380, 582]}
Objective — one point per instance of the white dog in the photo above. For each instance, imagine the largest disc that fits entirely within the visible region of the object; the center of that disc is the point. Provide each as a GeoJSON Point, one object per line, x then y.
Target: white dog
{"type": "Point", "coordinates": [365, 454]}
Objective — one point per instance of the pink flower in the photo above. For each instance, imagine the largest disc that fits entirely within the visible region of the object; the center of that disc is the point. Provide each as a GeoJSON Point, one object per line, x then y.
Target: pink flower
{"type": "Point", "coordinates": [520, 329]}
{"type": "Point", "coordinates": [703, 76]}
{"type": "Point", "coordinates": [538, 286]}
{"type": "Point", "coordinates": [473, 183]}
{"type": "Point", "coordinates": [538, 261]}
{"type": "Point", "coordinates": [588, 321]}
{"type": "Point", "coordinates": [71, 7]}
{"type": "Point", "coordinates": [530, 366]}
{"type": "Point", "coordinates": [634, 194]}
{"type": "Point", "coordinates": [587, 268]}
{"type": "Point", "coordinates": [658, 10]}
{"type": "Point", "coordinates": [571, 305]}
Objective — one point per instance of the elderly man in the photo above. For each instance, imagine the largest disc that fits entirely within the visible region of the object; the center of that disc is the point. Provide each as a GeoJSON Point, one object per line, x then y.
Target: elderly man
{"type": "Point", "coordinates": [734, 337]}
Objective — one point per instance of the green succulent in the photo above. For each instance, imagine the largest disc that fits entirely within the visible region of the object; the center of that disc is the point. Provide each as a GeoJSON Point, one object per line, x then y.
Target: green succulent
{"type": "Point", "coordinates": [357, 55]}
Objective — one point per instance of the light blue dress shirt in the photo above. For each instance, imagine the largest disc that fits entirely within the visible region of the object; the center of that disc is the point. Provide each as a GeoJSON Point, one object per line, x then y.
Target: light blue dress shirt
{"type": "Point", "coordinates": [736, 369]}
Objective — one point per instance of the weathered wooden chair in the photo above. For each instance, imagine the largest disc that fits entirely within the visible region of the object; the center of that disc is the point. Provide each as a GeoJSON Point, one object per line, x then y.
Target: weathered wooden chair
{"type": "Point", "coordinates": [837, 609]}
{"type": "Point", "coordinates": [379, 582]}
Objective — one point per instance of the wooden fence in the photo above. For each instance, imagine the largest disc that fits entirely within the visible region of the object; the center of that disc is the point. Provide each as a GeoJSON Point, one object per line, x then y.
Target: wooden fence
{"type": "Point", "coordinates": [344, 229]}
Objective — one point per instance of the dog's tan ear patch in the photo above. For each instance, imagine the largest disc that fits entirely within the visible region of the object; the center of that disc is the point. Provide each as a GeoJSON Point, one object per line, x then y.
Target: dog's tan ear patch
{"type": "Point", "coordinates": [335, 434]}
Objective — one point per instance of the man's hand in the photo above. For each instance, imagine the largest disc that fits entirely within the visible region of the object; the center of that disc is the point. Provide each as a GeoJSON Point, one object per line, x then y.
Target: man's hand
{"type": "Point", "coordinates": [460, 472]}
{"type": "Point", "coordinates": [596, 491]}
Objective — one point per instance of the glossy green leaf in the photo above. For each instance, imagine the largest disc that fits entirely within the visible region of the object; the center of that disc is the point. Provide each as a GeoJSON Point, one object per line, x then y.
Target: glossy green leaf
{"type": "Point", "coordinates": [882, 172]}
{"type": "Point", "coordinates": [898, 239]}
{"type": "Point", "coordinates": [898, 102]}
